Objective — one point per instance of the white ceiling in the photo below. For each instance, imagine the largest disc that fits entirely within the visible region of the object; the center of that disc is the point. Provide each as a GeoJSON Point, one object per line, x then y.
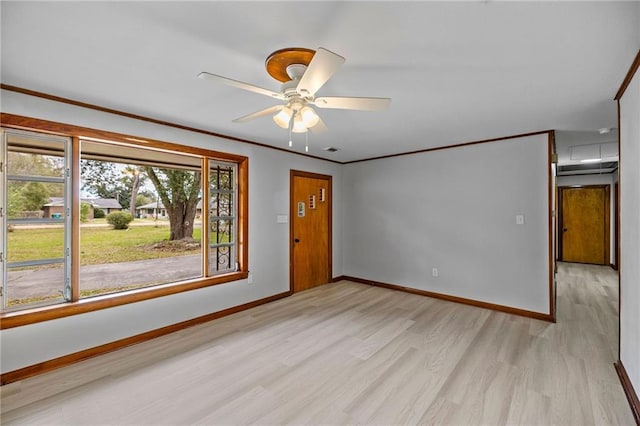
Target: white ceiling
{"type": "Point", "coordinates": [456, 71]}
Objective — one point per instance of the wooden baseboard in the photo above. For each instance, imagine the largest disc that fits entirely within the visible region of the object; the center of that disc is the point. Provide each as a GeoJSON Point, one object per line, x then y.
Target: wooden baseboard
{"type": "Point", "coordinates": [471, 302]}
{"type": "Point", "coordinates": [632, 396]}
{"type": "Point", "coordinates": [43, 367]}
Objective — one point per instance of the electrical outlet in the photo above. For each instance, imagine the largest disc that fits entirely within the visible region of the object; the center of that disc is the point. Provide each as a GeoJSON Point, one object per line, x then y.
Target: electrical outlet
{"type": "Point", "coordinates": [250, 279]}
{"type": "Point", "coordinates": [434, 272]}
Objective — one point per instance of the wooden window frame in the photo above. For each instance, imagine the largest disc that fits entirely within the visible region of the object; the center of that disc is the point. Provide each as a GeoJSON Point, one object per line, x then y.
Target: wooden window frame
{"type": "Point", "coordinates": [79, 306]}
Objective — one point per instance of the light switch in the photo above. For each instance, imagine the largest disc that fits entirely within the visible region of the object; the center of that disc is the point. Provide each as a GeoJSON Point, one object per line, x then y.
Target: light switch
{"type": "Point", "coordinates": [519, 219]}
{"type": "Point", "coordinates": [282, 218]}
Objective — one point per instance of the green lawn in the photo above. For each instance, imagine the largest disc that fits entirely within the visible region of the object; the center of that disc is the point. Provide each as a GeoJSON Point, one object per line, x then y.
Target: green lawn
{"type": "Point", "coordinates": [98, 245]}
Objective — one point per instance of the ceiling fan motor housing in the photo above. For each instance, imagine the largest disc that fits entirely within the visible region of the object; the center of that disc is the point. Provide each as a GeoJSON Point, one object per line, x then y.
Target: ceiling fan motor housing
{"type": "Point", "coordinates": [295, 71]}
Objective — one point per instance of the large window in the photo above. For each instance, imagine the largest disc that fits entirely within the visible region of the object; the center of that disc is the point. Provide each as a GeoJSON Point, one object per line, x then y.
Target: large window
{"type": "Point", "coordinates": [114, 221]}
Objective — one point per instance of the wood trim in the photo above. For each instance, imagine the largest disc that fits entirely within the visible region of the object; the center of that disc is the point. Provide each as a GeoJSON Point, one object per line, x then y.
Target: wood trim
{"type": "Point", "coordinates": [627, 79]}
{"type": "Point", "coordinates": [65, 360]}
{"type": "Point", "coordinates": [551, 144]}
{"type": "Point", "coordinates": [449, 298]}
{"type": "Point", "coordinates": [616, 226]}
{"type": "Point", "coordinates": [607, 225]}
{"type": "Point", "coordinates": [87, 133]}
{"type": "Point", "coordinates": [631, 394]}
{"type": "Point", "coordinates": [75, 219]}
{"type": "Point", "coordinates": [619, 233]}
{"type": "Point", "coordinates": [46, 313]}
{"type": "Point", "coordinates": [151, 120]}
{"type": "Point", "coordinates": [243, 213]}
{"type": "Point", "coordinates": [559, 223]}
{"type": "Point", "coordinates": [204, 216]}
{"type": "Point", "coordinates": [292, 212]}
{"type": "Point", "coordinates": [458, 145]}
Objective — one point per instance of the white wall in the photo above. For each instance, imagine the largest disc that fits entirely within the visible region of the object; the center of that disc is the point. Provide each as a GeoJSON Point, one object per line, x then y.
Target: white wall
{"type": "Point", "coordinates": [630, 231]}
{"type": "Point", "coordinates": [455, 210]}
{"type": "Point", "coordinates": [268, 242]}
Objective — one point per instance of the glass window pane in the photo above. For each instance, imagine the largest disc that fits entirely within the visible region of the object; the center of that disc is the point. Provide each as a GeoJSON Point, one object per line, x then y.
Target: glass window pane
{"type": "Point", "coordinates": [35, 200]}
{"type": "Point", "coordinates": [31, 164]}
{"type": "Point", "coordinates": [160, 244]}
{"type": "Point", "coordinates": [36, 285]}
{"type": "Point", "coordinates": [222, 218]}
{"type": "Point", "coordinates": [34, 242]}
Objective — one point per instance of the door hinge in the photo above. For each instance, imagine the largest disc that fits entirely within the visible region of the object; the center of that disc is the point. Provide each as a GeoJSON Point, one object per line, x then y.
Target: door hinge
{"type": "Point", "coordinates": [1, 212]}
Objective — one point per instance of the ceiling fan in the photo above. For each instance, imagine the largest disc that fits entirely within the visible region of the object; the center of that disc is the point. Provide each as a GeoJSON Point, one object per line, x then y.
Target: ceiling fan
{"type": "Point", "coordinates": [302, 73]}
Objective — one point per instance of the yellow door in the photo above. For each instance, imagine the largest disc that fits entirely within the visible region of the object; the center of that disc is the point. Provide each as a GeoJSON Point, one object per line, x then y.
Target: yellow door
{"type": "Point", "coordinates": [585, 225]}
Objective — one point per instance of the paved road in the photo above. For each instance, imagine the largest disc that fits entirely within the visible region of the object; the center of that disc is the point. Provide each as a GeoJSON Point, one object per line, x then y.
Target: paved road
{"type": "Point", "coordinates": [48, 281]}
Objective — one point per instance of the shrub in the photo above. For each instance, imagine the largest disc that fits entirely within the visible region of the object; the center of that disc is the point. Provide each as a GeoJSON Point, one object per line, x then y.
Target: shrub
{"type": "Point", "coordinates": [85, 208]}
{"type": "Point", "coordinates": [119, 220]}
{"type": "Point", "coordinates": [98, 213]}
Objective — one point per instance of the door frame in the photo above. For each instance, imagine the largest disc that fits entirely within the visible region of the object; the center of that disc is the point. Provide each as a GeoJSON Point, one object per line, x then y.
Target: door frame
{"type": "Point", "coordinates": [293, 211]}
{"type": "Point", "coordinates": [616, 227]}
{"type": "Point", "coordinates": [607, 220]}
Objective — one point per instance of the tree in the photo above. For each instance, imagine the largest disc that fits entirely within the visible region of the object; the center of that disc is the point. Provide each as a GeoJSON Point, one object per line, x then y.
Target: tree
{"type": "Point", "coordinates": [135, 186]}
{"type": "Point", "coordinates": [15, 202]}
{"type": "Point", "coordinates": [101, 178]}
{"type": "Point", "coordinates": [35, 195]}
{"type": "Point", "coordinates": [144, 198]}
{"type": "Point", "coordinates": [111, 180]}
{"type": "Point", "coordinates": [85, 209]}
{"type": "Point", "coordinates": [27, 164]}
{"type": "Point", "coordinates": [179, 191]}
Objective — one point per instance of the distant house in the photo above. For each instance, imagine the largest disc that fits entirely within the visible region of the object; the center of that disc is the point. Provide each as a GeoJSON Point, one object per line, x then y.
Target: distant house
{"type": "Point", "coordinates": [107, 204]}
{"type": "Point", "coordinates": [157, 209]}
{"type": "Point", "coordinates": [152, 211]}
{"type": "Point", "coordinates": [55, 206]}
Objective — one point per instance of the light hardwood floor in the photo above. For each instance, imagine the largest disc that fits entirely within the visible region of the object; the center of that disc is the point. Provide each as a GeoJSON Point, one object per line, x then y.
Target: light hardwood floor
{"type": "Point", "coordinates": [349, 353]}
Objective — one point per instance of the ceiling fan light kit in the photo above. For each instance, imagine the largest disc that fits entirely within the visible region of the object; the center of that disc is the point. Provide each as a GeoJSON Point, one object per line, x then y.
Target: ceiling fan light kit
{"type": "Point", "coordinates": [302, 73]}
{"type": "Point", "coordinates": [283, 117]}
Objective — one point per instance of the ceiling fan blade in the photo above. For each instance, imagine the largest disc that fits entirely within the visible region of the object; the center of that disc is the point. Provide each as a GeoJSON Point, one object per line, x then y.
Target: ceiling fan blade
{"type": "Point", "coordinates": [320, 127]}
{"type": "Point", "coordinates": [361, 104]}
{"type": "Point", "coordinates": [258, 114]}
{"type": "Point", "coordinates": [240, 85]}
{"type": "Point", "coordinates": [322, 66]}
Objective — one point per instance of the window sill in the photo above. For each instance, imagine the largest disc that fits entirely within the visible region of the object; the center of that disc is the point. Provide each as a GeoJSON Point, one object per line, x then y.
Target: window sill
{"type": "Point", "coordinates": [46, 313]}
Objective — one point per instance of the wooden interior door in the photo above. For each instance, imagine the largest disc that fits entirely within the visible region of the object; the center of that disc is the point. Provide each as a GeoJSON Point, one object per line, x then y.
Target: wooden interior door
{"type": "Point", "coordinates": [310, 230]}
{"type": "Point", "coordinates": [585, 225]}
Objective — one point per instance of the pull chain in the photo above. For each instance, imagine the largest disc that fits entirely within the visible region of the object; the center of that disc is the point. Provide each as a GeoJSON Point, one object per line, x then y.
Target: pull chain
{"type": "Point", "coordinates": [306, 146]}
{"type": "Point", "coordinates": [291, 129]}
